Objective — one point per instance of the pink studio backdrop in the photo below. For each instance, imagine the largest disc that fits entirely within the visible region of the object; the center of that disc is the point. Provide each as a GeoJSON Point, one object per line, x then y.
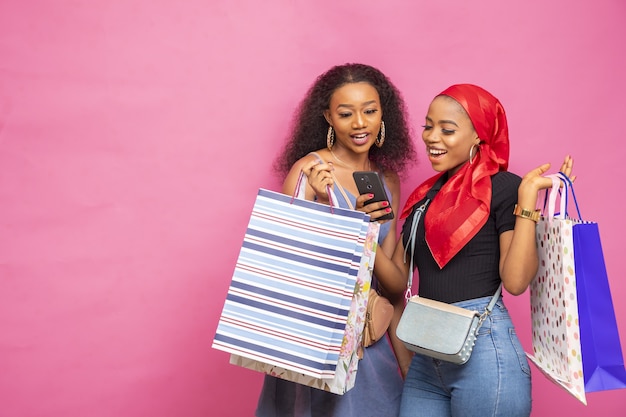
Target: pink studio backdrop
{"type": "Point", "coordinates": [134, 135]}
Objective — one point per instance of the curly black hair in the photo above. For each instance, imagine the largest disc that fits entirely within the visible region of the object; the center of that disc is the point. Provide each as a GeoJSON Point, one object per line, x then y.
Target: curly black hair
{"type": "Point", "coordinates": [309, 127]}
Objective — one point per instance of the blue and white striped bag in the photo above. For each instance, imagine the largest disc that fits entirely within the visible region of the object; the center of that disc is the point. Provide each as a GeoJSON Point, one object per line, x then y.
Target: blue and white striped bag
{"type": "Point", "coordinates": [293, 285]}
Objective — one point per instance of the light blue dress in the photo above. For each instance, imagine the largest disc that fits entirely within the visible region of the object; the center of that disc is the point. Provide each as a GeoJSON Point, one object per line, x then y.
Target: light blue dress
{"type": "Point", "coordinates": [376, 392]}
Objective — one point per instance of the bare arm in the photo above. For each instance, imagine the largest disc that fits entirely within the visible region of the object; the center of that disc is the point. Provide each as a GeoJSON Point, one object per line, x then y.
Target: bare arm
{"type": "Point", "coordinates": [391, 282]}
{"type": "Point", "coordinates": [393, 182]}
{"type": "Point", "coordinates": [393, 272]}
{"type": "Point", "coordinates": [518, 250]}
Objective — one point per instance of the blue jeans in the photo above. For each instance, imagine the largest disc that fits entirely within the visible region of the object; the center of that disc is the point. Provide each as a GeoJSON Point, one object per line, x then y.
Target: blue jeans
{"type": "Point", "coordinates": [494, 382]}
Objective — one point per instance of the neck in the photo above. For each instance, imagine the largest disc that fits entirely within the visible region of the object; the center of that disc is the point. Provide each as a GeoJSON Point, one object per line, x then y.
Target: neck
{"type": "Point", "coordinates": [365, 165]}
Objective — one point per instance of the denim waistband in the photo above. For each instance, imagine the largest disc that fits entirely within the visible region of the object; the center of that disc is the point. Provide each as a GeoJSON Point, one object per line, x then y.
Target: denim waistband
{"type": "Point", "coordinates": [479, 304]}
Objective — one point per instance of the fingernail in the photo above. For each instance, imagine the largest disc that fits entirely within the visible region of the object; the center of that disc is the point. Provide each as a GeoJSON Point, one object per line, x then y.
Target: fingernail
{"type": "Point", "coordinates": [387, 210]}
{"type": "Point", "coordinates": [385, 203]}
{"type": "Point", "coordinates": [370, 195]}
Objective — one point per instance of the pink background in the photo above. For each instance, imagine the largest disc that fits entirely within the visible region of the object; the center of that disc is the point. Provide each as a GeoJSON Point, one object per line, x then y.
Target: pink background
{"type": "Point", "coordinates": [134, 135]}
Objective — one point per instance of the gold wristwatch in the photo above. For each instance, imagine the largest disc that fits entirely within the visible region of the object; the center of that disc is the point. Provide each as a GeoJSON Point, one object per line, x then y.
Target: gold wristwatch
{"type": "Point", "coordinates": [533, 215]}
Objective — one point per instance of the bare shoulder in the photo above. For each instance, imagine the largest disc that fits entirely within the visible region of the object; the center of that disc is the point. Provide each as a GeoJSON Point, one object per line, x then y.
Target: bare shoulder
{"type": "Point", "coordinates": [293, 174]}
{"type": "Point", "coordinates": [297, 166]}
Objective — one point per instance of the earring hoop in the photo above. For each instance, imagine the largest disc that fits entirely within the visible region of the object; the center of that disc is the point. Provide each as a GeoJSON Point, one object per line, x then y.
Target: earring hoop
{"type": "Point", "coordinates": [330, 138]}
{"type": "Point", "coordinates": [381, 137]}
{"type": "Point", "coordinates": [472, 156]}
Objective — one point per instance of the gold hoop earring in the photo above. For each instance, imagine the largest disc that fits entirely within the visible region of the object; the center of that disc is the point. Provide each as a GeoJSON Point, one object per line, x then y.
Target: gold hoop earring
{"type": "Point", "coordinates": [330, 138]}
{"type": "Point", "coordinates": [381, 137]}
{"type": "Point", "coordinates": [472, 156]}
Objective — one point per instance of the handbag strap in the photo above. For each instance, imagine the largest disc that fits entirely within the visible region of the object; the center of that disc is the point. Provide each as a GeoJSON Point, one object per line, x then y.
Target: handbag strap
{"type": "Point", "coordinates": [491, 305]}
{"type": "Point", "coordinates": [412, 238]}
{"type": "Point", "coordinates": [411, 242]}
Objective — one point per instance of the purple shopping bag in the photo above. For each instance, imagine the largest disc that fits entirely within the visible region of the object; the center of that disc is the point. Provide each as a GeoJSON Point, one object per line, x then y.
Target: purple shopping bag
{"type": "Point", "coordinates": [603, 363]}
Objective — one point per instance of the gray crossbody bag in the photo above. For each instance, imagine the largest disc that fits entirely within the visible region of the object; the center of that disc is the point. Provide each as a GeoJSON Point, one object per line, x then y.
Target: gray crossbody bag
{"type": "Point", "coordinates": [432, 328]}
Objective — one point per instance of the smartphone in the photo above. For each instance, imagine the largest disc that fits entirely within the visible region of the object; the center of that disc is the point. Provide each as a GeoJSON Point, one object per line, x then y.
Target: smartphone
{"type": "Point", "coordinates": [368, 182]}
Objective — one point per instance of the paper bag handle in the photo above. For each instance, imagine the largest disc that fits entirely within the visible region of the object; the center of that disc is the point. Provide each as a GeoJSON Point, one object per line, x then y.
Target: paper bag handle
{"type": "Point", "coordinates": [570, 185]}
{"type": "Point", "coordinates": [300, 190]}
{"type": "Point", "coordinates": [557, 180]}
{"type": "Point", "coordinates": [553, 193]}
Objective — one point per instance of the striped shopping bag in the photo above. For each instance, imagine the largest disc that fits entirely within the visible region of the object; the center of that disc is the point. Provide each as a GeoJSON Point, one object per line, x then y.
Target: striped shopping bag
{"type": "Point", "coordinates": [293, 285]}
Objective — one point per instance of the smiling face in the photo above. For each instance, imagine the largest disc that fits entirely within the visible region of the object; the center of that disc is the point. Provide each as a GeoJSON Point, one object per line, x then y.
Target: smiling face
{"type": "Point", "coordinates": [448, 135]}
{"type": "Point", "coordinates": [356, 114]}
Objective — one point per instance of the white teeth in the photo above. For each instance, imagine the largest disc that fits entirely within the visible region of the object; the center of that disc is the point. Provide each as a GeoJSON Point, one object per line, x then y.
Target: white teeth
{"type": "Point", "coordinates": [361, 136]}
{"type": "Point", "coordinates": [436, 151]}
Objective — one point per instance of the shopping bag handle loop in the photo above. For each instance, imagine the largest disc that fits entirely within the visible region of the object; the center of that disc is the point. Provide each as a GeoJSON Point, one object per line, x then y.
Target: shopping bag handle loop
{"type": "Point", "coordinates": [557, 180]}
{"type": "Point", "coordinates": [552, 193]}
{"type": "Point", "coordinates": [549, 200]}
{"type": "Point", "coordinates": [570, 184]}
{"type": "Point", "coordinates": [300, 189]}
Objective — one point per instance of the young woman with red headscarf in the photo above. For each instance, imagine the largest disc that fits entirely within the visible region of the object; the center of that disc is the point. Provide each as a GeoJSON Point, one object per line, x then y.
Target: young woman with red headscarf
{"type": "Point", "coordinates": [472, 237]}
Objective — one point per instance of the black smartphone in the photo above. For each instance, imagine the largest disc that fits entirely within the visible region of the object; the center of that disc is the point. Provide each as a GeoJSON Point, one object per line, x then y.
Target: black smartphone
{"type": "Point", "coordinates": [368, 182]}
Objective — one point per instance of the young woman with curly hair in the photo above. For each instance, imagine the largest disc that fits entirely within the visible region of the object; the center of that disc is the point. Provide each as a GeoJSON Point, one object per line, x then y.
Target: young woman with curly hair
{"type": "Point", "coordinates": [352, 119]}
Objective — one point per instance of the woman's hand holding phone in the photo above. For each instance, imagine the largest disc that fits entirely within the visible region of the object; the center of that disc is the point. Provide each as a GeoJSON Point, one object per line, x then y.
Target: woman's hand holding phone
{"type": "Point", "coordinates": [378, 206]}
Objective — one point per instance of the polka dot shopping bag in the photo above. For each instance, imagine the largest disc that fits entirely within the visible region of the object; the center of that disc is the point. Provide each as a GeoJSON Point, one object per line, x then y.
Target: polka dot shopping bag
{"type": "Point", "coordinates": [575, 338]}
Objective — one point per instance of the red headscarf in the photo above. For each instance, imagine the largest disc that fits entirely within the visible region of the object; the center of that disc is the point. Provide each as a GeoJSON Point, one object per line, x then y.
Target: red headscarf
{"type": "Point", "coordinates": [461, 207]}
